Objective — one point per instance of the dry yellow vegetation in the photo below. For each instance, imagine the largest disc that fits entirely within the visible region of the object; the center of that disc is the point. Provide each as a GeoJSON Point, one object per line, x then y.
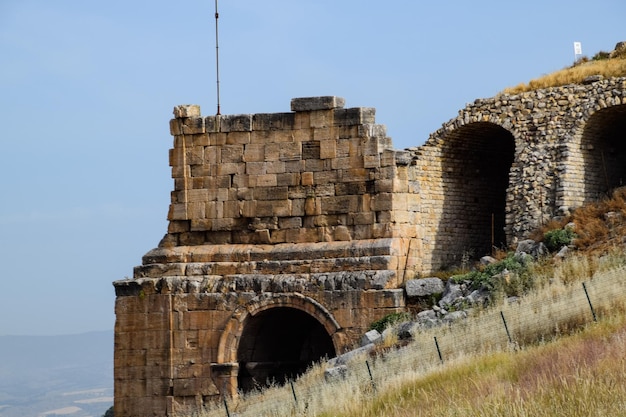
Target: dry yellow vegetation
{"type": "Point", "coordinates": [583, 68]}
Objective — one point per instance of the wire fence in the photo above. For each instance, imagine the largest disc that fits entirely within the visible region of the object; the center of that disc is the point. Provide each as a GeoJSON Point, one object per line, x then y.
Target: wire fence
{"type": "Point", "coordinates": [554, 309]}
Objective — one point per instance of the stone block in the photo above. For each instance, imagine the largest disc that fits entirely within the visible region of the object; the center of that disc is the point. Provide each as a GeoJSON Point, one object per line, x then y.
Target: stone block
{"type": "Point", "coordinates": [273, 121]}
{"type": "Point", "coordinates": [254, 152]}
{"type": "Point", "coordinates": [192, 125]}
{"type": "Point", "coordinates": [354, 116]}
{"type": "Point", "coordinates": [186, 110]}
{"type": "Point", "coordinates": [307, 178]}
{"type": "Point", "coordinates": [238, 138]}
{"type": "Point", "coordinates": [328, 149]}
{"type": "Point", "coordinates": [290, 151]}
{"type": "Point", "coordinates": [303, 104]}
{"type": "Point", "coordinates": [236, 123]}
{"type": "Point", "coordinates": [232, 153]}
{"type": "Point", "coordinates": [424, 287]}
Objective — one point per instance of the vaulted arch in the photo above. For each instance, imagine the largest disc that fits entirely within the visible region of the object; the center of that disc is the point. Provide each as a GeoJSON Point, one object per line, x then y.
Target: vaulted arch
{"type": "Point", "coordinates": [276, 337]}
{"type": "Point", "coordinates": [603, 150]}
{"type": "Point", "coordinates": [476, 160]}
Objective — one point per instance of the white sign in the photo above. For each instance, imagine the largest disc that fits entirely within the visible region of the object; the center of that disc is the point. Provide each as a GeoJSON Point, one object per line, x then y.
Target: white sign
{"type": "Point", "coordinates": [578, 48]}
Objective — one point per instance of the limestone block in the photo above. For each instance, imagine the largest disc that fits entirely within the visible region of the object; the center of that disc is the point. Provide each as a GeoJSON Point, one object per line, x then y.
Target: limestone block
{"type": "Point", "coordinates": [371, 161]}
{"type": "Point", "coordinates": [321, 118]}
{"type": "Point", "coordinates": [424, 287]}
{"type": "Point", "coordinates": [290, 151]}
{"type": "Point", "coordinates": [217, 139]}
{"type": "Point", "coordinates": [355, 174]}
{"type": "Point", "coordinates": [272, 152]}
{"type": "Point", "coordinates": [275, 167]}
{"type": "Point", "coordinates": [373, 336]}
{"type": "Point", "coordinates": [234, 138]}
{"type": "Point", "coordinates": [328, 149]}
{"type": "Point", "coordinates": [232, 153]}
{"type": "Point", "coordinates": [294, 166]}
{"type": "Point", "coordinates": [256, 168]}
{"type": "Point", "coordinates": [264, 180]}
{"type": "Point", "coordinates": [339, 204]}
{"type": "Point", "coordinates": [186, 110]}
{"type": "Point", "coordinates": [192, 125]}
{"type": "Point", "coordinates": [287, 179]}
{"type": "Point", "coordinates": [176, 127]}
{"type": "Point", "coordinates": [177, 212]}
{"type": "Point", "coordinates": [298, 207]}
{"type": "Point", "coordinates": [236, 123]}
{"type": "Point", "coordinates": [355, 116]}
{"type": "Point", "coordinates": [273, 121]}
{"type": "Point", "coordinates": [290, 222]}
{"type": "Point", "coordinates": [325, 177]}
{"type": "Point", "coordinates": [212, 124]}
{"type": "Point", "coordinates": [270, 193]}
{"type": "Point", "coordinates": [316, 103]}
{"type": "Point", "coordinates": [254, 152]}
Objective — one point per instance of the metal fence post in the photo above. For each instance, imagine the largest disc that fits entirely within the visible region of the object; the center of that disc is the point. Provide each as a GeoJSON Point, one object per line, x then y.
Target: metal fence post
{"type": "Point", "coordinates": [589, 301]}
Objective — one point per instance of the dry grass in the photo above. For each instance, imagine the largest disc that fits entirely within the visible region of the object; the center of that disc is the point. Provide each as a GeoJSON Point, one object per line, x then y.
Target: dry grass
{"type": "Point", "coordinates": [581, 375]}
{"type": "Point", "coordinates": [483, 373]}
{"type": "Point", "coordinates": [615, 67]}
{"type": "Point", "coordinates": [600, 227]}
{"type": "Point", "coordinates": [555, 364]}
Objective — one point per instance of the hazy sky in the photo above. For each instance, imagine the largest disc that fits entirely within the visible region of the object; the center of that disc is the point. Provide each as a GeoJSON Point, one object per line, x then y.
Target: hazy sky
{"type": "Point", "coordinates": [87, 90]}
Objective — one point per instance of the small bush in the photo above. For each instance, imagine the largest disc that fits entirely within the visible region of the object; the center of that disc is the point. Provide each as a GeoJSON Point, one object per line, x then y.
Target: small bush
{"type": "Point", "coordinates": [556, 239]}
{"type": "Point", "coordinates": [602, 55]}
{"type": "Point", "coordinates": [389, 320]}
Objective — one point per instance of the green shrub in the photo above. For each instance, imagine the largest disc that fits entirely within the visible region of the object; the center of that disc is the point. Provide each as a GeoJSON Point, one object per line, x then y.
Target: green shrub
{"type": "Point", "coordinates": [556, 239]}
{"type": "Point", "coordinates": [389, 320]}
{"type": "Point", "coordinates": [602, 55]}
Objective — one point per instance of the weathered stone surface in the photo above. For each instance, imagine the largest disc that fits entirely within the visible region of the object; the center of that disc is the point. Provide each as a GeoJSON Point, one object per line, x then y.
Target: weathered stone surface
{"type": "Point", "coordinates": [313, 212]}
{"type": "Point", "coordinates": [373, 336]}
{"type": "Point", "coordinates": [423, 287]}
{"type": "Point", "coordinates": [317, 103]}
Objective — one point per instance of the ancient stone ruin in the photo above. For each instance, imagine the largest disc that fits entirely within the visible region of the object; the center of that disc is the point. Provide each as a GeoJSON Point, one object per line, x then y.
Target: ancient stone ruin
{"type": "Point", "coordinates": [290, 233]}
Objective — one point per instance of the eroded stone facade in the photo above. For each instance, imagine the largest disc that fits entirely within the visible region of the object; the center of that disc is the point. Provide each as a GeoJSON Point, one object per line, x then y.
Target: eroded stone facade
{"type": "Point", "coordinates": [291, 233]}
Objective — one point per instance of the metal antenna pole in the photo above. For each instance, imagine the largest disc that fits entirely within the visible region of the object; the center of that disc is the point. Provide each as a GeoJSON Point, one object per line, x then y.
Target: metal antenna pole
{"type": "Point", "coordinates": [217, 59]}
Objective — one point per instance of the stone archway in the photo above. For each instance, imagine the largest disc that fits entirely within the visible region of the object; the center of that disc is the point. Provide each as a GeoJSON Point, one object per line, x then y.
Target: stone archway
{"type": "Point", "coordinates": [476, 161]}
{"type": "Point", "coordinates": [279, 344]}
{"type": "Point", "coordinates": [273, 338]}
{"type": "Point", "coordinates": [603, 149]}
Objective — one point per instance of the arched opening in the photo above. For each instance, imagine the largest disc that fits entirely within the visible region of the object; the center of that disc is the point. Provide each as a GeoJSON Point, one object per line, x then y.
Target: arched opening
{"type": "Point", "coordinates": [279, 344]}
{"type": "Point", "coordinates": [603, 147]}
{"type": "Point", "coordinates": [476, 162]}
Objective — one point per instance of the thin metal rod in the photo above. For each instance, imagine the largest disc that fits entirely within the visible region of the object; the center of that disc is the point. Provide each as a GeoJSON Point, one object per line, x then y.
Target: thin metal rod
{"type": "Point", "coordinates": [438, 350]}
{"type": "Point", "coordinates": [217, 59]}
{"type": "Point", "coordinates": [593, 312]}
{"type": "Point", "coordinates": [506, 327]}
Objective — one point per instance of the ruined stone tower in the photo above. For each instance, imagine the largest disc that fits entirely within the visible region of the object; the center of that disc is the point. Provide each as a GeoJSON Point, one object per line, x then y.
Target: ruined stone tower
{"type": "Point", "coordinates": [290, 233]}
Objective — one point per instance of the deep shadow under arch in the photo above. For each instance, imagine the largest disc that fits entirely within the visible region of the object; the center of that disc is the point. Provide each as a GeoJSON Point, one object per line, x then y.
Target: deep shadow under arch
{"type": "Point", "coordinates": [476, 164]}
{"type": "Point", "coordinates": [603, 147]}
{"type": "Point", "coordinates": [279, 344]}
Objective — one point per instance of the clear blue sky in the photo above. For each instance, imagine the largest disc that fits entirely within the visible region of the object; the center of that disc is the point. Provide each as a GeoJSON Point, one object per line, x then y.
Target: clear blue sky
{"type": "Point", "coordinates": [87, 90]}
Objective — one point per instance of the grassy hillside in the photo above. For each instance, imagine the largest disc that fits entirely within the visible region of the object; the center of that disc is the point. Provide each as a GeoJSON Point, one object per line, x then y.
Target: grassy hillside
{"type": "Point", "coordinates": [600, 64]}
{"type": "Point", "coordinates": [560, 361]}
{"type": "Point", "coordinates": [578, 375]}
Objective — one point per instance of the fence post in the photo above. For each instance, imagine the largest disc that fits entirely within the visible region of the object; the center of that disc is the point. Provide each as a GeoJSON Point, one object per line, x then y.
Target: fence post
{"type": "Point", "coordinates": [369, 371]}
{"type": "Point", "coordinates": [438, 350]}
{"type": "Point", "coordinates": [589, 301]}
{"type": "Point", "coordinates": [226, 407]}
{"type": "Point", "coordinates": [506, 327]}
{"type": "Point", "coordinates": [293, 391]}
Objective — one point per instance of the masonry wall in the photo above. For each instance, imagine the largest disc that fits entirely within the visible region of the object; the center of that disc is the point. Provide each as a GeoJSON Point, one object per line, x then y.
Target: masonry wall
{"type": "Point", "coordinates": [313, 211]}
{"type": "Point", "coordinates": [562, 150]}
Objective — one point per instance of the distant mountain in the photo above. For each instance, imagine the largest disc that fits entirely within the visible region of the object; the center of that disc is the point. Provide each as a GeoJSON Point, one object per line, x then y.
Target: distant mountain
{"type": "Point", "coordinates": [51, 376]}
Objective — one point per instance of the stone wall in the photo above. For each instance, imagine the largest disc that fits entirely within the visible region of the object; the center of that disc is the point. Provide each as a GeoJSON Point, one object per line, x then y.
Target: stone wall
{"type": "Point", "coordinates": [522, 158]}
{"type": "Point", "coordinates": [293, 232]}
